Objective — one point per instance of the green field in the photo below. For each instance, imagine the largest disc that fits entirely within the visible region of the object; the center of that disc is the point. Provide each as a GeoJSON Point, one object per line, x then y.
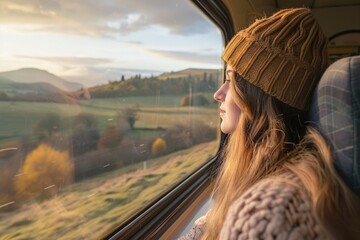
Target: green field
{"type": "Point", "coordinates": [18, 118]}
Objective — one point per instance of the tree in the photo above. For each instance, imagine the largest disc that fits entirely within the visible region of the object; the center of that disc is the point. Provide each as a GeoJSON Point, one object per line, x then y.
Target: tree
{"type": "Point", "coordinates": [130, 115]}
{"type": "Point", "coordinates": [44, 172]}
{"type": "Point", "coordinates": [158, 147]}
{"type": "Point", "coordinates": [86, 134]}
{"type": "Point", "coordinates": [205, 76]}
{"type": "Point", "coordinates": [110, 138]}
{"type": "Point", "coordinates": [46, 127]}
{"type": "Point", "coordinates": [197, 99]}
{"type": "Point", "coordinates": [177, 137]}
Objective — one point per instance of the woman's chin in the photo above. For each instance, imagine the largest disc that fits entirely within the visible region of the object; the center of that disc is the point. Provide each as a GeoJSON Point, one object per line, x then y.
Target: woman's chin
{"type": "Point", "coordinates": [226, 129]}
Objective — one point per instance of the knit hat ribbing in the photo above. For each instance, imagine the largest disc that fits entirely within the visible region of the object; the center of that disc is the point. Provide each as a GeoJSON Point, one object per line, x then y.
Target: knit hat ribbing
{"type": "Point", "coordinates": [284, 55]}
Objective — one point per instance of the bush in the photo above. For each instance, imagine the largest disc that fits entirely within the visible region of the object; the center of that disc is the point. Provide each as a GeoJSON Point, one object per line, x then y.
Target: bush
{"type": "Point", "coordinates": [102, 160]}
{"type": "Point", "coordinates": [84, 139]}
{"type": "Point", "coordinates": [182, 136]}
{"type": "Point", "coordinates": [158, 147]}
{"type": "Point", "coordinates": [200, 132]}
{"type": "Point", "coordinates": [46, 127]}
{"type": "Point", "coordinates": [44, 172]}
{"type": "Point", "coordinates": [86, 134]}
{"type": "Point", "coordinates": [130, 115]}
{"type": "Point", "coordinates": [85, 119]}
{"type": "Point", "coordinates": [177, 137]}
{"type": "Point", "coordinates": [198, 99]}
{"type": "Point", "coordinates": [110, 138]}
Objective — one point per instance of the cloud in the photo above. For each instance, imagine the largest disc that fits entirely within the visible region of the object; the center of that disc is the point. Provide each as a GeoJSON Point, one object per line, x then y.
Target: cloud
{"type": "Point", "coordinates": [104, 18]}
{"type": "Point", "coordinates": [193, 56]}
{"type": "Point", "coordinates": [74, 61]}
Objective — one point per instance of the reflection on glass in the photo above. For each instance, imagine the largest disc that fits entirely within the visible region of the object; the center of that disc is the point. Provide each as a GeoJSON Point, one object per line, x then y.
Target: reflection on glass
{"type": "Point", "coordinates": [101, 112]}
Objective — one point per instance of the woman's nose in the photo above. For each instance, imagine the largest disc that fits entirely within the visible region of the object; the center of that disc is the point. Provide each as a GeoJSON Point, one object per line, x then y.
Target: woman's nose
{"type": "Point", "coordinates": [219, 95]}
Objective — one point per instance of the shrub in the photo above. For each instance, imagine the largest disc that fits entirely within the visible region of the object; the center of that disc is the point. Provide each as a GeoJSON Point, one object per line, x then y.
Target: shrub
{"type": "Point", "coordinates": [94, 162]}
{"type": "Point", "coordinates": [110, 138]}
{"type": "Point", "coordinates": [46, 127]}
{"type": "Point", "coordinates": [177, 137]}
{"type": "Point", "coordinates": [198, 99]}
{"type": "Point", "coordinates": [158, 147]}
{"type": "Point", "coordinates": [130, 115]}
{"type": "Point", "coordinates": [44, 172]}
{"type": "Point", "coordinates": [86, 134]}
{"type": "Point", "coordinates": [102, 160]}
{"type": "Point", "coordinates": [200, 132]}
{"type": "Point", "coordinates": [181, 136]}
{"type": "Point", "coordinates": [84, 139]}
{"type": "Point", "coordinates": [86, 120]}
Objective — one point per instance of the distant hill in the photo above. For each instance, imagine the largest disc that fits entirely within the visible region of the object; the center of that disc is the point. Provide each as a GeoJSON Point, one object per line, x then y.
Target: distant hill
{"type": "Point", "coordinates": [196, 73]}
{"type": "Point", "coordinates": [34, 92]}
{"type": "Point", "coordinates": [34, 75]}
{"type": "Point", "coordinates": [173, 83]}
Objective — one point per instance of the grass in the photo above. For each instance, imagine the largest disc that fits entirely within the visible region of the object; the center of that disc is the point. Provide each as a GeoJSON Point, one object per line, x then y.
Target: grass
{"type": "Point", "coordinates": [18, 118]}
{"type": "Point", "coordinates": [92, 208]}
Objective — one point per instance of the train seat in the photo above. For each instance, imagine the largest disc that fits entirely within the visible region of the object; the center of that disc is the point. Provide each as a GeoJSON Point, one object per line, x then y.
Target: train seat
{"type": "Point", "coordinates": [335, 110]}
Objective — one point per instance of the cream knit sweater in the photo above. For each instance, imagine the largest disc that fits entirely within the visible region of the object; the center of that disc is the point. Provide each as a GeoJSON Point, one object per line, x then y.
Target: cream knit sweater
{"type": "Point", "coordinates": [274, 208]}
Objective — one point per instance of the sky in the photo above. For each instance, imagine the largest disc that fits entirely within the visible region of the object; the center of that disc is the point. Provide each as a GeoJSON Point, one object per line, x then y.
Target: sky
{"type": "Point", "coordinates": [93, 42]}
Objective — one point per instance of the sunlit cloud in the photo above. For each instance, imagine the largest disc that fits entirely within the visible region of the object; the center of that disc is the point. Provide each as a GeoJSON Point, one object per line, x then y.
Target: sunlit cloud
{"type": "Point", "coordinates": [72, 60]}
{"type": "Point", "coordinates": [94, 41]}
{"type": "Point", "coordinates": [189, 56]}
{"type": "Point", "coordinates": [103, 18]}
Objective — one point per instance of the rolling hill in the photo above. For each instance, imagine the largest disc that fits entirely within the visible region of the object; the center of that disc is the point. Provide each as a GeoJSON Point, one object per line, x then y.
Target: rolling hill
{"type": "Point", "coordinates": [34, 75]}
{"type": "Point", "coordinates": [171, 83]}
{"type": "Point", "coordinates": [34, 92]}
{"type": "Point", "coordinates": [196, 73]}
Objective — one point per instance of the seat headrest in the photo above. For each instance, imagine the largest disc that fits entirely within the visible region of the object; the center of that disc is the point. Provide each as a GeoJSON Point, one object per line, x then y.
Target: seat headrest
{"type": "Point", "coordinates": [335, 110]}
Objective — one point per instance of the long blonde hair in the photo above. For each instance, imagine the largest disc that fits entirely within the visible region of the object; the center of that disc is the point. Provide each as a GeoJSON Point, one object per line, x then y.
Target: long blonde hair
{"type": "Point", "coordinates": [271, 138]}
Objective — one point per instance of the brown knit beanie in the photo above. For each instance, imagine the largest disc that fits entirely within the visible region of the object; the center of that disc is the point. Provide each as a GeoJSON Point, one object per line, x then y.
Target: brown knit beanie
{"type": "Point", "coordinates": [284, 55]}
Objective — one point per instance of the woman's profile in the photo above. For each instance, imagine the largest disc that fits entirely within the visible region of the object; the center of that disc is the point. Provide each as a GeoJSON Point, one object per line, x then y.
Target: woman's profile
{"type": "Point", "coordinates": [277, 179]}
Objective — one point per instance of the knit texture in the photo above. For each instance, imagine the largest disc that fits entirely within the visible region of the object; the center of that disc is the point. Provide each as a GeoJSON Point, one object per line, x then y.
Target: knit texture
{"type": "Point", "coordinates": [284, 55]}
{"type": "Point", "coordinates": [197, 230]}
{"type": "Point", "coordinates": [274, 208]}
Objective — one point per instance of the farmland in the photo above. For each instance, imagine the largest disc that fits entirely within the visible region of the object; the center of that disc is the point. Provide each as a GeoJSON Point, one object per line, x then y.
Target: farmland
{"type": "Point", "coordinates": [77, 165]}
{"type": "Point", "coordinates": [100, 198]}
{"type": "Point", "coordinates": [17, 118]}
{"type": "Point", "coordinates": [91, 208]}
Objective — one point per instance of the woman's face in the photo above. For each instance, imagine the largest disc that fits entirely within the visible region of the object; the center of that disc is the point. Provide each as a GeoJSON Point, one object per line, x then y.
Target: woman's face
{"type": "Point", "coordinates": [229, 111]}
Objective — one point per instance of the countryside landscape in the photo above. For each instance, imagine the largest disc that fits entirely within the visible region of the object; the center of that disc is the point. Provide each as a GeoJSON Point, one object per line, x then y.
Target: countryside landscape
{"type": "Point", "coordinates": [87, 158]}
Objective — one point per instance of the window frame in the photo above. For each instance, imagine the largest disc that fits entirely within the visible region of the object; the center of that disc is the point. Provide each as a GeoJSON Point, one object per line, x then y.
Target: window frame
{"type": "Point", "coordinates": [154, 220]}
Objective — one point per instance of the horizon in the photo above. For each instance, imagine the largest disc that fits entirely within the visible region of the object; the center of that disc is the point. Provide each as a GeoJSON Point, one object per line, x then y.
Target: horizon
{"type": "Point", "coordinates": [135, 72]}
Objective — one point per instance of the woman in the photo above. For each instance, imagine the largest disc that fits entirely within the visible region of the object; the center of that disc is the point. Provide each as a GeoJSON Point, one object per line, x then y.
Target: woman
{"type": "Point", "coordinates": [277, 178]}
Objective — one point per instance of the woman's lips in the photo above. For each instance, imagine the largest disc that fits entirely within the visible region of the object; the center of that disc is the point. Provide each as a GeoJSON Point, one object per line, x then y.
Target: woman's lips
{"type": "Point", "coordinates": [222, 112]}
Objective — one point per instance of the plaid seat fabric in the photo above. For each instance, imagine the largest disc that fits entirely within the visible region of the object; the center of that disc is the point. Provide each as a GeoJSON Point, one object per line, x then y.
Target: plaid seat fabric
{"type": "Point", "coordinates": [335, 110]}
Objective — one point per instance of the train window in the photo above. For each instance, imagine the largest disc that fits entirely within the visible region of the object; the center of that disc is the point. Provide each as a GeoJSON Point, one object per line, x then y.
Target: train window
{"type": "Point", "coordinates": [104, 107]}
{"type": "Point", "coordinates": [344, 44]}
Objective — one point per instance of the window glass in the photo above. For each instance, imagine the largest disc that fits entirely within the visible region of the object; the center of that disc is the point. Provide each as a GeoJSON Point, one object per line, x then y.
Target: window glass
{"type": "Point", "coordinates": [344, 44]}
{"type": "Point", "coordinates": [104, 106]}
